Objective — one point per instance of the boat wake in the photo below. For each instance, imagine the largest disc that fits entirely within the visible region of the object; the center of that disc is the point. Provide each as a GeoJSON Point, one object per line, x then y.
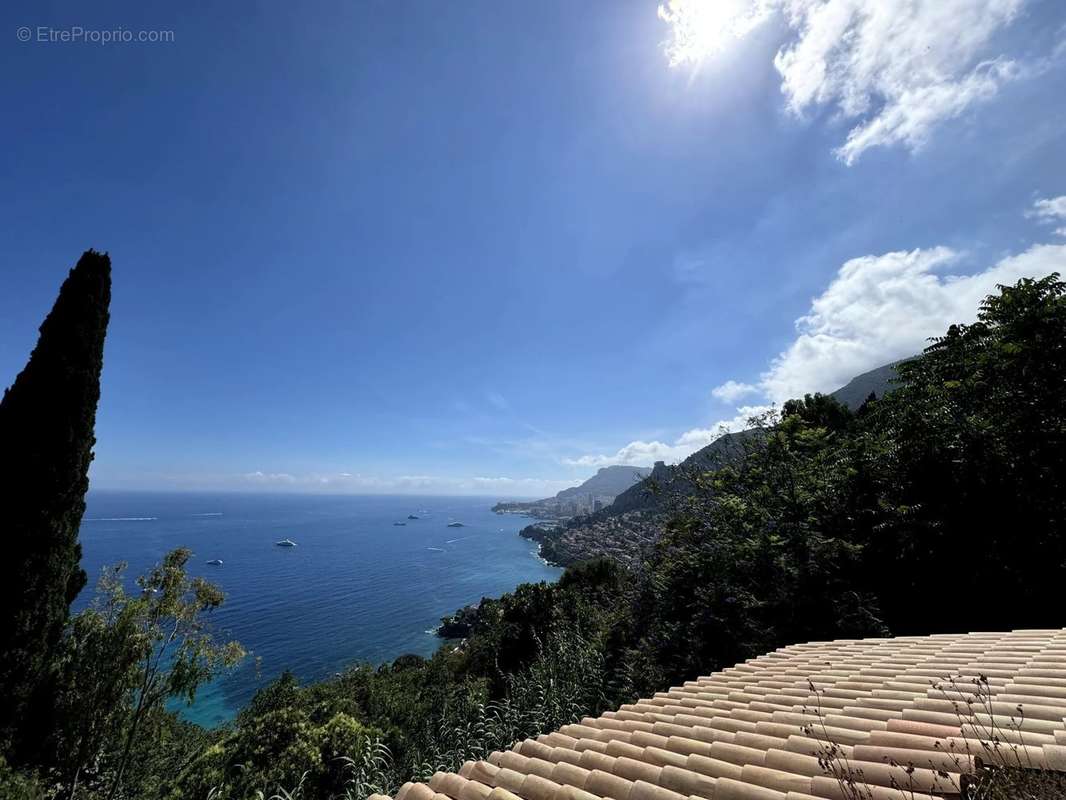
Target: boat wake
{"type": "Point", "coordinates": [120, 518]}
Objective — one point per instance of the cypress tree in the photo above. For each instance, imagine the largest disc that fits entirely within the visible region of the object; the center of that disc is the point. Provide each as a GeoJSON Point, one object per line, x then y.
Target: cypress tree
{"type": "Point", "coordinates": [46, 438]}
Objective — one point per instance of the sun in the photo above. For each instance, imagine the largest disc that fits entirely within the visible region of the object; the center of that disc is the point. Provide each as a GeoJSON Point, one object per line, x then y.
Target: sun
{"type": "Point", "coordinates": [703, 28]}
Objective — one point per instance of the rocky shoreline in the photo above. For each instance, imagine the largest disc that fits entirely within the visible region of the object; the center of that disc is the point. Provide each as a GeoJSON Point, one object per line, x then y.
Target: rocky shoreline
{"type": "Point", "coordinates": [460, 624]}
{"type": "Point", "coordinates": [625, 538]}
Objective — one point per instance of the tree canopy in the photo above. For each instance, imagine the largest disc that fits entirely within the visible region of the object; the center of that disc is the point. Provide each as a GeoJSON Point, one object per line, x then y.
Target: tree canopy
{"type": "Point", "coordinates": [47, 420]}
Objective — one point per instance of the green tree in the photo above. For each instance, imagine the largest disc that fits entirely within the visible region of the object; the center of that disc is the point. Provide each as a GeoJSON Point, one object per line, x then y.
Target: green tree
{"type": "Point", "coordinates": [47, 419]}
{"type": "Point", "coordinates": [762, 553]}
{"type": "Point", "coordinates": [177, 652]}
{"type": "Point", "coordinates": [119, 662]}
{"type": "Point", "coordinates": [97, 672]}
{"type": "Point", "coordinates": [18, 786]}
{"type": "Point", "coordinates": [973, 486]}
{"type": "Point", "coordinates": [289, 737]}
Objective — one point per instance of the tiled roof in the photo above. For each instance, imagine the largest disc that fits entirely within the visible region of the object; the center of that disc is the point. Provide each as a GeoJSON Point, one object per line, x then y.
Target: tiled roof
{"type": "Point", "coordinates": [908, 718]}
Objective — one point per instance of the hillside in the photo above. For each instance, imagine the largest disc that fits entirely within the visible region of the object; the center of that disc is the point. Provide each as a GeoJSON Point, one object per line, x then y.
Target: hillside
{"type": "Point", "coordinates": [664, 480]}
{"type": "Point", "coordinates": [877, 381]}
{"type": "Point", "coordinates": [631, 523]}
{"type": "Point", "coordinates": [595, 493]}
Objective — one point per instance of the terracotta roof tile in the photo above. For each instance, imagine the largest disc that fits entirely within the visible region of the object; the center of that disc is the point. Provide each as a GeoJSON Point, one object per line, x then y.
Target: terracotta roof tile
{"type": "Point", "coordinates": [906, 718]}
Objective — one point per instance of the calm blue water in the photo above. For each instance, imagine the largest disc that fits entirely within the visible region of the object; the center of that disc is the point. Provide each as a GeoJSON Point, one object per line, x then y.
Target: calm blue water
{"type": "Point", "coordinates": [356, 588]}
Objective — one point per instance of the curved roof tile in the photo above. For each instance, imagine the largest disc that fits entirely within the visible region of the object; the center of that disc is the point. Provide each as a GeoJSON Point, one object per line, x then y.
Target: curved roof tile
{"type": "Point", "coordinates": [906, 717]}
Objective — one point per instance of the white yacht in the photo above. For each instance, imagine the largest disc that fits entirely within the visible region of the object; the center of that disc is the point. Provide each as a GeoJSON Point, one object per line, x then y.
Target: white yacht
{"type": "Point", "coordinates": [286, 543]}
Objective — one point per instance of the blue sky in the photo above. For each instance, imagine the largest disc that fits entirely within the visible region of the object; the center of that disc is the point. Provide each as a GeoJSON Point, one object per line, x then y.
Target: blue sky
{"type": "Point", "coordinates": [484, 247]}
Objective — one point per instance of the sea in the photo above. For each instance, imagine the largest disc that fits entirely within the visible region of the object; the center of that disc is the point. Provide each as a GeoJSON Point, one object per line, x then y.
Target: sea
{"type": "Point", "coordinates": [356, 588]}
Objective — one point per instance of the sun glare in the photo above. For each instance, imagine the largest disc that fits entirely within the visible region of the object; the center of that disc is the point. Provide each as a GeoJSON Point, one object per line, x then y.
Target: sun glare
{"type": "Point", "coordinates": [703, 28]}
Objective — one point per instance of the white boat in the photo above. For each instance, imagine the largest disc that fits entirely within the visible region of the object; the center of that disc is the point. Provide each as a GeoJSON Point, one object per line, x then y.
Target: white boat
{"type": "Point", "coordinates": [286, 543]}
{"type": "Point", "coordinates": [455, 525]}
{"type": "Point", "coordinates": [215, 562]}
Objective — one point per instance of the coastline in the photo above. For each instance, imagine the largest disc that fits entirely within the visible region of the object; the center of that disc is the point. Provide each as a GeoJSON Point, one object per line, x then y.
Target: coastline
{"type": "Point", "coordinates": [453, 622]}
{"type": "Point", "coordinates": [337, 599]}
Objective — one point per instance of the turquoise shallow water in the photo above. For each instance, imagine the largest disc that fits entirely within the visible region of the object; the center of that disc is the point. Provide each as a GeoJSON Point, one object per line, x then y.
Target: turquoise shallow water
{"type": "Point", "coordinates": [356, 587]}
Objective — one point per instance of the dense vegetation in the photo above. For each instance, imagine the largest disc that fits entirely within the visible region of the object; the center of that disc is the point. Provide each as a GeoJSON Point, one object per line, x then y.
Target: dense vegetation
{"type": "Point", "coordinates": [939, 507]}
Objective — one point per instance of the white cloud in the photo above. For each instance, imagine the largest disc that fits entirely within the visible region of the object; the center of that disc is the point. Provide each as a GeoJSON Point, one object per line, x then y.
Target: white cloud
{"type": "Point", "coordinates": [878, 309]}
{"type": "Point", "coordinates": [537, 486]}
{"type": "Point", "coordinates": [498, 400]}
{"type": "Point", "coordinates": [356, 483]}
{"type": "Point", "coordinates": [895, 70]}
{"type": "Point", "coordinates": [260, 477]}
{"type": "Point", "coordinates": [909, 117]}
{"type": "Point", "coordinates": [644, 454]}
{"type": "Point", "coordinates": [1051, 210]}
{"type": "Point", "coordinates": [882, 308]}
{"type": "Point", "coordinates": [731, 391]}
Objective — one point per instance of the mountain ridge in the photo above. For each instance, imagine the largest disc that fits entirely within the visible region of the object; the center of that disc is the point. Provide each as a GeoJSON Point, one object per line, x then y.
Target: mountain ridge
{"type": "Point", "coordinates": [613, 479]}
